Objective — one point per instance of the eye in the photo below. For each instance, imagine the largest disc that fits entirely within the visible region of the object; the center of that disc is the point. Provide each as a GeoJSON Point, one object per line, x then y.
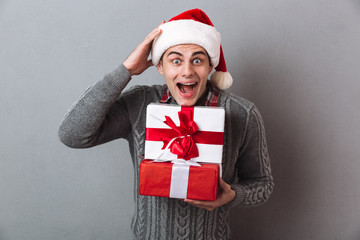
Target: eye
{"type": "Point", "coordinates": [176, 61]}
{"type": "Point", "coordinates": [196, 61]}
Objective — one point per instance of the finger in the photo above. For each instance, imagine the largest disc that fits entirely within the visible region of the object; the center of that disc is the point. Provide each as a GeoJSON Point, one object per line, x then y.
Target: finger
{"type": "Point", "coordinates": [153, 34]}
{"type": "Point", "coordinates": [223, 185]}
{"type": "Point", "coordinates": [162, 22]}
{"type": "Point", "coordinates": [203, 204]}
{"type": "Point", "coordinates": [149, 63]}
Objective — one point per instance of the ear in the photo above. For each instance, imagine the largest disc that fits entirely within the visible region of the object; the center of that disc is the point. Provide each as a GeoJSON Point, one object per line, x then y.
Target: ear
{"type": "Point", "coordinates": [160, 68]}
{"type": "Point", "coordinates": [210, 69]}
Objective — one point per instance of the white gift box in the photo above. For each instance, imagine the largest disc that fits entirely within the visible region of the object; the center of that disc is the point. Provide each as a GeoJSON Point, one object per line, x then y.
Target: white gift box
{"type": "Point", "coordinates": [208, 138]}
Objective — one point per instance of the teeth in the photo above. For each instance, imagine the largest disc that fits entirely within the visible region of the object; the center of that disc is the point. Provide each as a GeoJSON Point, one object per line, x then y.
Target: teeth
{"type": "Point", "coordinates": [188, 84]}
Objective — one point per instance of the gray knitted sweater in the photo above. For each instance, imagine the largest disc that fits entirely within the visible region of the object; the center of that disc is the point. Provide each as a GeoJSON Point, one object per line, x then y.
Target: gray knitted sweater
{"type": "Point", "coordinates": [105, 113]}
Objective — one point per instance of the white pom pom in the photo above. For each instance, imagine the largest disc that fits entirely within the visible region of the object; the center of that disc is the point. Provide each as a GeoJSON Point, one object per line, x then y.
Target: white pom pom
{"type": "Point", "coordinates": [222, 80]}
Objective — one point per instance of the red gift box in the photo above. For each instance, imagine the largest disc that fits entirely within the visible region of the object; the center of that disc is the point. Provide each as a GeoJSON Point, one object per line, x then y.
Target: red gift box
{"type": "Point", "coordinates": [155, 179]}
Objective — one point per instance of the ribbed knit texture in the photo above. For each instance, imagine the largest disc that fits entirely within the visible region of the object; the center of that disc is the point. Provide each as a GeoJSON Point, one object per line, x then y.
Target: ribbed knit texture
{"type": "Point", "coordinates": [101, 115]}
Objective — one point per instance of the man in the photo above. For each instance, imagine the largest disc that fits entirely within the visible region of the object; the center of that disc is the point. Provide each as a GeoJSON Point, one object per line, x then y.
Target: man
{"type": "Point", "coordinates": [185, 51]}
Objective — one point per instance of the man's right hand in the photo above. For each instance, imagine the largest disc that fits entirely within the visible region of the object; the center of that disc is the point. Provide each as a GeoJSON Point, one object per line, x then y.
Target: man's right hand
{"type": "Point", "coordinates": [137, 62]}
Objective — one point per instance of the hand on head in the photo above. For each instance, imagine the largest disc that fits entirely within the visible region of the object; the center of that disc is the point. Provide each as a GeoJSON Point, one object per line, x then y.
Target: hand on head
{"type": "Point", "coordinates": [137, 62]}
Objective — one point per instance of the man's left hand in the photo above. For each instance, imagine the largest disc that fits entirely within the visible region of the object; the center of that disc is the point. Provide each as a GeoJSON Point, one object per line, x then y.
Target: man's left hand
{"type": "Point", "coordinates": [226, 195]}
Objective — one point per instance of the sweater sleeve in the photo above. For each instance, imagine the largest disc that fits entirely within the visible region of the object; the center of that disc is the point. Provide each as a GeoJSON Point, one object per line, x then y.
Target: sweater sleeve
{"type": "Point", "coordinates": [97, 117]}
{"type": "Point", "coordinates": [255, 182]}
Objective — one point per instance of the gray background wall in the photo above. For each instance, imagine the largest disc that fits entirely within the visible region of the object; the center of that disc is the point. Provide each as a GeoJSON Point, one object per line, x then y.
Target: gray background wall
{"type": "Point", "coordinates": [297, 60]}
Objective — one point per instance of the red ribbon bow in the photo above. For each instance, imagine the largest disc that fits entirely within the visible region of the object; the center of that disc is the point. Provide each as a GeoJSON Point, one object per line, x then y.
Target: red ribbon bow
{"type": "Point", "coordinates": [183, 145]}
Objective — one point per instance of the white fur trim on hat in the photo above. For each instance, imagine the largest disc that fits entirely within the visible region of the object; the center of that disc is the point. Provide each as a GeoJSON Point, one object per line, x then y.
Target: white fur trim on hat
{"type": "Point", "coordinates": [187, 32]}
{"type": "Point", "coordinates": [222, 80]}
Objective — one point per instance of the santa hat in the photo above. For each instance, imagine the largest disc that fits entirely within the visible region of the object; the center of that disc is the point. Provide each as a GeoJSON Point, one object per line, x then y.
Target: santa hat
{"type": "Point", "coordinates": [194, 27]}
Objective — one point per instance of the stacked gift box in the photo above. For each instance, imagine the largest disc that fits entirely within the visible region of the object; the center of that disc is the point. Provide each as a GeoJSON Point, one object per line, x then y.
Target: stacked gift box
{"type": "Point", "coordinates": [183, 152]}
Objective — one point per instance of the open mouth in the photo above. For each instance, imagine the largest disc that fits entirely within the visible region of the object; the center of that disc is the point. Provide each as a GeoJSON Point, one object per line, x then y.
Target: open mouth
{"type": "Point", "coordinates": [186, 88]}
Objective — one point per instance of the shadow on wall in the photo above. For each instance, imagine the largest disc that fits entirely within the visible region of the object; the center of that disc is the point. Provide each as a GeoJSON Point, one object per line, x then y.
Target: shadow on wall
{"type": "Point", "coordinates": [269, 83]}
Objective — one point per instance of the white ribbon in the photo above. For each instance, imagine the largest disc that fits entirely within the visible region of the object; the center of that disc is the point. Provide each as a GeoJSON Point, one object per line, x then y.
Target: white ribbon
{"type": "Point", "coordinates": [178, 161]}
{"type": "Point", "coordinates": [179, 181]}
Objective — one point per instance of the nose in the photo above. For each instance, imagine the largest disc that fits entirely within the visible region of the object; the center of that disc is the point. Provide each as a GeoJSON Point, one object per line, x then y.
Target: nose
{"type": "Point", "coordinates": [187, 70]}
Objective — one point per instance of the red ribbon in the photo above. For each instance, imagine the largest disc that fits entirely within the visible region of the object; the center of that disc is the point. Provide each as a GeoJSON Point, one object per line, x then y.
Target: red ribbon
{"type": "Point", "coordinates": [183, 145]}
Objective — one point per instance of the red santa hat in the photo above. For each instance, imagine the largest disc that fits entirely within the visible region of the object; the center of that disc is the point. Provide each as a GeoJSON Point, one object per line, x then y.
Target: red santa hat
{"type": "Point", "coordinates": [194, 27]}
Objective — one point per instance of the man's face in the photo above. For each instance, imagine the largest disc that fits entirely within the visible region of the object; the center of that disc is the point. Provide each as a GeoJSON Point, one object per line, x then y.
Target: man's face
{"type": "Point", "coordinates": [186, 69]}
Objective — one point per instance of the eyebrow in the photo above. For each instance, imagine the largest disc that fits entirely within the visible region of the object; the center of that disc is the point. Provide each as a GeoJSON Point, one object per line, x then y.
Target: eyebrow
{"type": "Point", "coordinates": [198, 52]}
{"type": "Point", "coordinates": [194, 54]}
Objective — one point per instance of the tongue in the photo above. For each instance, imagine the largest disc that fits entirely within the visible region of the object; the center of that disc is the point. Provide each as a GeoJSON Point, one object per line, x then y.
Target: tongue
{"type": "Point", "coordinates": [186, 88]}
